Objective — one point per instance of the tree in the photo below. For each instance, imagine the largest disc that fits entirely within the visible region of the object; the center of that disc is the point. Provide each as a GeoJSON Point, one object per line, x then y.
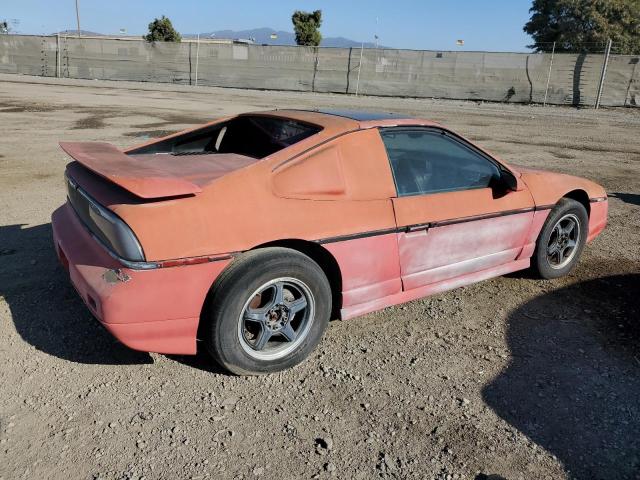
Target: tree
{"type": "Point", "coordinates": [161, 30]}
{"type": "Point", "coordinates": [4, 27]}
{"type": "Point", "coordinates": [585, 25]}
{"type": "Point", "coordinates": [306, 26]}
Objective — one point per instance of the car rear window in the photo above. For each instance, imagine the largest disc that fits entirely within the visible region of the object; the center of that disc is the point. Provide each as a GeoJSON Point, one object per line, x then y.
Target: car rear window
{"type": "Point", "coordinates": [254, 136]}
{"type": "Point", "coordinates": [284, 130]}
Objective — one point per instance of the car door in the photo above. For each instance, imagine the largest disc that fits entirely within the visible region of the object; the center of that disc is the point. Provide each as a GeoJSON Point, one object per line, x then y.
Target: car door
{"type": "Point", "coordinates": [454, 214]}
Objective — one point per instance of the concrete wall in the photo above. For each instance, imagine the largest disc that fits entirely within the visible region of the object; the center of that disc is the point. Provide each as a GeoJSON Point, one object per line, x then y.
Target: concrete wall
{"type": "Point", "coordinates": [509, 77]}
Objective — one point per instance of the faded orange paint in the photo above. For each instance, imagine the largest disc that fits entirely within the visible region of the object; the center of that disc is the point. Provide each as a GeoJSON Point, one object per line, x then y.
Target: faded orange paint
{"type": "Point", "coordinates": [354, 167]}
{"type": "Point", "coordinates": [370, 267]}
{"type": "Point", "coordinates": [449, 251]}
{"type": "Point", "coordinates": [335, 187]}
{"type": "Point", "coordinates": [548, 187]}
{"type": "Point", "coordinates": [597, 219]}
{"type": "Point", "coordinates": [153, 310]}
{"type": "Point", "coordinates": [539, 217]}
{"type": "Point", "coordinates": [440, 207]}
{"type": "Point", "coordinates": [432, 289]}
{"type": "Point", "coordinates": [143, 179]}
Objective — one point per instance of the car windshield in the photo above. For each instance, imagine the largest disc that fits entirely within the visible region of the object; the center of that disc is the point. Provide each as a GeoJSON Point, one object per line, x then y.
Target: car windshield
{"type": "Point", "coordinates": [251, 135]}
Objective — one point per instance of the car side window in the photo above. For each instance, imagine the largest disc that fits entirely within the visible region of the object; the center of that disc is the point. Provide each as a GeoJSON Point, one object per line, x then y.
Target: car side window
{"type": "Point", "coordinates": [430, 161]}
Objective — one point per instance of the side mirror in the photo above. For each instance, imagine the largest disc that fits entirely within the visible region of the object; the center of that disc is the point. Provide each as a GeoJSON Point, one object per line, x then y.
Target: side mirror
{"type": "Point", "coordinates": [509, 180]}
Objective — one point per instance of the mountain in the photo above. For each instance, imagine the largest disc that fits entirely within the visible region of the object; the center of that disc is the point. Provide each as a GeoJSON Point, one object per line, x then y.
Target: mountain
{"type": "Point", "coordinates": [83, 33]}
{"type": "Point", "coordinates": [263, 36]}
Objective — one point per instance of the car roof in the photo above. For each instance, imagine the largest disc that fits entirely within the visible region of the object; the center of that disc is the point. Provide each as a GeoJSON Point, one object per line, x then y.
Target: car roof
{"type": "Point", "coordinates": [365, 118]}
{"type": "Point", "coordinates": [340, 121]}
{"type": "Point", "coordinates": [362, 115]}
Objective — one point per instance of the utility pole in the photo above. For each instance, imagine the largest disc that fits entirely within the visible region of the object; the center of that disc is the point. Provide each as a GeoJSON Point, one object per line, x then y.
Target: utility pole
{"type": "Point", "coordinates": [78, 18]}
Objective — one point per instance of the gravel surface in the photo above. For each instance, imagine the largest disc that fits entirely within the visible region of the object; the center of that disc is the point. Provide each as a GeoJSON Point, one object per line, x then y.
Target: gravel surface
{"type": "Point", "coordinates": [513, 378]}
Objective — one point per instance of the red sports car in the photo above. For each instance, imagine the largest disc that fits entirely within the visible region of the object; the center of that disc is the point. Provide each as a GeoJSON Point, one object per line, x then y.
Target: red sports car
{"type": "Point", "coordinates": [250, 232]}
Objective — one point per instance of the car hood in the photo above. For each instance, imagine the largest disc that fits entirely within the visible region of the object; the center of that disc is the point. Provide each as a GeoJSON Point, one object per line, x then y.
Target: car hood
{"type": "Point", "coordinates": [549, 187]}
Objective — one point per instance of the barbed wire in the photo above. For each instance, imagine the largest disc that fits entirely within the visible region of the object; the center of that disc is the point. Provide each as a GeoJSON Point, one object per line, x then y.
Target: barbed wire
{"type": "Point", "coordinates": [581, 46]}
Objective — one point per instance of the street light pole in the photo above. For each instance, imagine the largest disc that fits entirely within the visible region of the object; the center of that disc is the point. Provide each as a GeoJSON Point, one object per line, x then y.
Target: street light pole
{"type": "Point", "coordinates": [78, 18]}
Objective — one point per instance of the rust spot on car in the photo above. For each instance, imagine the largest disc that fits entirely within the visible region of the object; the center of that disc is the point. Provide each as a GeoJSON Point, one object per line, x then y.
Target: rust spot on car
{"type": "Point", "coordinates": [115, 276]}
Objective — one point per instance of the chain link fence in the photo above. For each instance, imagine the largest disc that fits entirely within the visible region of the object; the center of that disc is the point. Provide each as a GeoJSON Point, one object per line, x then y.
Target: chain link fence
{"type": "Point", "coordinates": [559, 78]}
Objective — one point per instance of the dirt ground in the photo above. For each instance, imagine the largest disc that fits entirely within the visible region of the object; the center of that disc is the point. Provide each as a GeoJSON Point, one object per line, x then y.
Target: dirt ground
{"type": "Point", "coordinates": [512, 378]}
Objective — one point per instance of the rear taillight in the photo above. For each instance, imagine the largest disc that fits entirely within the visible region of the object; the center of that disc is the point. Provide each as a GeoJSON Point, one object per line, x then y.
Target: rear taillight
{"type": "Point", "coordinates": [105, 225]}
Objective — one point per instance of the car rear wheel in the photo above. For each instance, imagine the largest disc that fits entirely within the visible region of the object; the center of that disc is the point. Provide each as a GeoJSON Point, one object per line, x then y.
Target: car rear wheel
{"type": "Point", "coordinates": [561, 240]}
{"type": "Point", "coordinates": [268, 311]}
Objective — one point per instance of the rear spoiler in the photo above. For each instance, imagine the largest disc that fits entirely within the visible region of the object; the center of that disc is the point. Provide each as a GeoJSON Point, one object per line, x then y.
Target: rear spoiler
{"type": "Point", "coordinates": [140, 179]}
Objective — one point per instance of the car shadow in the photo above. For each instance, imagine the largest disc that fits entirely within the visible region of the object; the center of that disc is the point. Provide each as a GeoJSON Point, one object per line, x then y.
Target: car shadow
{"type": "Point", "coordinates": [632, 198]}
{"type": "Point", "coordinates": [573, 382]}
{"type": "Point", "coordinates": [46, 311]}
{"type": "Point", "coordinates": [201, 361]}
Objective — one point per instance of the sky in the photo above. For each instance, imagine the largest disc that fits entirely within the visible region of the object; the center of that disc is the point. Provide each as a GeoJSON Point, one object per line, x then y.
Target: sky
{"type": "Point", "coordinates": [490, 25]}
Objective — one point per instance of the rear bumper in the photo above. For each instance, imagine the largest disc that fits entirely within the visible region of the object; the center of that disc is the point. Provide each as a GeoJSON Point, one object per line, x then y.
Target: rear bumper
{"type": "Point", "coordinates": [149, 310]}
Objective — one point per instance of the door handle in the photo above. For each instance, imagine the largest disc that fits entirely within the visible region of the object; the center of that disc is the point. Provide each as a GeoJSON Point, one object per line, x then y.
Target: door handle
{"type": "Point", "coordinates": [417, 228]}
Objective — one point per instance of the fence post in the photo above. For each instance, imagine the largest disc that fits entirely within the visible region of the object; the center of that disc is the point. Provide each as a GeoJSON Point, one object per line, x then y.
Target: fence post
{"type": "Point", "coordinates": [633, 75]}
{"type": "Point", "coordinates": [58, 55]}
{"type": "Point", "coordinates": [359, 68]}
{"type": "Point", "coordinates": [348, 69]}
{"type": "Point", "coordinates": [197, 57]}
{"type": "Point", "coordinates": [546, 90]}
{"type": "Point", "coordinates": [315, 69]}
{"type": "Point", "coordinates": [604, 73]}
{"type": "Point", "coordinates": [189, 55]}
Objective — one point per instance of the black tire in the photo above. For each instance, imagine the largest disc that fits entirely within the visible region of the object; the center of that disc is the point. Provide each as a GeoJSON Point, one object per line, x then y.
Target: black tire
{"type": "Point", "coordinates": [567, 210]}
{"type": "Point", "coordinates": [231, 298]}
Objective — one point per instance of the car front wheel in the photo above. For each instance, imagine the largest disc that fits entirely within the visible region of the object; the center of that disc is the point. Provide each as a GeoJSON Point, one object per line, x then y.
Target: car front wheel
{"type": "Point", "coordinates": [561, 240]}
{"type": "Point", "coordinates": [268, 311]}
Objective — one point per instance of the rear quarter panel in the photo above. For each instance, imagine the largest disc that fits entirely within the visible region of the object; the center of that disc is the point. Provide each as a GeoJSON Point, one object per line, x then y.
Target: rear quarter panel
{"type": "Point", "coordinates": [306, 198]}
